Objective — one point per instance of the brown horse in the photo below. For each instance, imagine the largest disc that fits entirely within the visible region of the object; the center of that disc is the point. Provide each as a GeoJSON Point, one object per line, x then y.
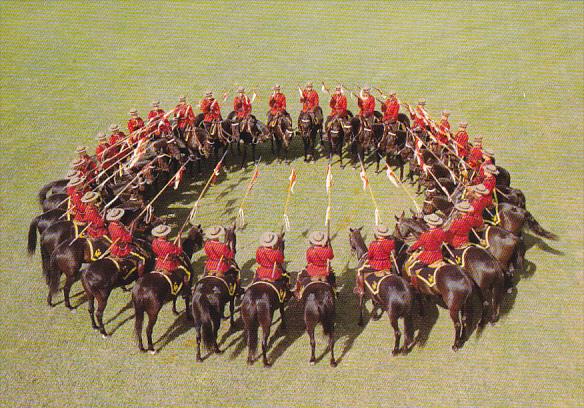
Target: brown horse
{"type": "Point", "coordinates": [209, 297]}
{"type": "Point", "coordinates": [335, 136]}
{"type": "Point", "coordinates": [282, 132]}
{"type": "Point", "coordinates": [395, 296]}
{"type": "Point", "coordinates": [105, 274]}
{"type": "Point", "coordinates": [259, 303]}
{"type": "Point", "coordinates": [152, 290]}
{"type": "Point", "coordinates": [308, 131]}
{"type": "Point", "coordinates": [54, 187]}
{"type": "Point", "coordinates": [39, 224]}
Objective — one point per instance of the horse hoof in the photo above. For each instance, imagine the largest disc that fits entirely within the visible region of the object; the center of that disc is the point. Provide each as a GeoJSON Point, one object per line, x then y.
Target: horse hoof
{"type": "Point", "coordinates": [72, 310]}
{"type": "Point", "coordinates": [105, 335]}
{"type": "Point", "coordinates": [267, 364]}
{"type": "Point", "coordinates": [142, 350]}
{"type": "Point", "coordinates": [394, 352]}
{"type": "Point", "coordinates": [249, 362]}
{"type": "Point", "coordinates": [334, 363]}
{"type": "Point", "coordinates": [218, 351]}
{"type": "Point", "coordinates": [312, 361]}
{"type": "Point", "coordinates": [153, 352]}
{"type": "Point", "coordinates": [455, 347]}
{"type": "Point", "coordinates": [510, 290]}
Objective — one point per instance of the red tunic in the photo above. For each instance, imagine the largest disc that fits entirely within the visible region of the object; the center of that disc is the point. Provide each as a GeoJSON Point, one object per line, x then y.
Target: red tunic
{"type": "Point", "coordinates": [390, 110]}
{"type": "Point", "coordinates": [461, 139]}
{"type": "Point", "coordinates": [166, 254]}
{"type": "Point", "coordinates": [480, 204]}
{"type": "Point", "coordinates": [242, 106]}
{"type": "Point", "coordinates": [309, 100]}
{"type": "Point", "coordinates": [97, 228]}
{"type": "Point", "coordinates": [76, 206]}
{"type": "Point", "coordinates": [490, 182]}
{"type": "Point", "coordinates": [184, 114]}
{"type": "Point", "coordinates": [135, 124]}
{"type": "Point", "coordinates": [155, 114]}
{"type": "Point", "coordinates": [443, 131]}
{"type": "Point", "coordinates": [318, 258]}
{"type": "Point", "coordinates": [102, 152]}
{"type": "Point", "coordinates": [121, 239]}
{"type": "Point", "coordinates": [338, 104]}
{"type": "Point", "coordinates": [458, 232]}
{"type": "Point", "coordinates": [366, 106]}
{"type": "Point", "coordinates": [277, 103]}
{"type": "Point", "coordinates": [487, 161]}
{"type": "Point", "coordinates": [219, 256]}
{"type": "Point", "coordinates": [419, 117]}
{"type": "Point", "coordinates": [379, 254]}
{"type": "Point", "coordinates": [431, 242]}
{"type": "Point", "coordinates": [270, 261]}
{"type": "Point", "coordinates": [475, 157]}
{"type": "Point", "coordinates": [211, 110]}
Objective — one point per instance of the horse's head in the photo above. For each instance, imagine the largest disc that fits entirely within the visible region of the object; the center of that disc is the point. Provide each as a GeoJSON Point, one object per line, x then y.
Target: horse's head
{"type": "Point", "coordinates": [231, 237]}
{"type": "Point", "coordinates": [285, 126]}
{"type": "Point", "coordinates": [304, 124]}
{"type": "Point", "coordinates": [194, 238]}
{"type": "Point", "coordinates": [406, 227]}
{"type": "Point", "coordinates": [357, 243]}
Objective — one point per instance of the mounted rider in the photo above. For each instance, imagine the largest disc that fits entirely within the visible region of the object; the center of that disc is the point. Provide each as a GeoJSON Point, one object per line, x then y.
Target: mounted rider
{"type": "Point", "coordinates": [102, 151]}
{"type": "Point", "coordinates": [167, 253]}
{"type": "Point", "coordinates": [444, 128]}
{"type": "Point", "coordinates": [430, 241]}
{"type": "Point", "coordinates": [76, 208]}
{"type": "Point", "coordinates": [390, 110]}
{"type": "Point", "coordinates": [211, 112]}
{"type": "Point", "coordinates": [475, 156]}
{"type": "Point", "coordinates": [157, 114]}
{"type": "Point", "coordinates": [461, 140]}
{"type": "Point", "coordinates": [318, 258]}
{"type": "Point", "coordinates": [122, 240]}
{"type": "Point", "coordinates": [242, 107]}
{"type": "Point", "coordinates": [85, 164]}
{"type": "Point", "coordinates": [420, 117]}
{"type": "Point", "coordinates": [92, 216]}
{"type": "Point", "coordinates": [277, 104]}
{"type": "Point", "coordinates": [220, 257]}
{"type": "Point", "coordinates": [135, 123]}
{"type": "Point", "coordinates": [270, 258]}
{"type": "Point", "coordinates": [366, 103]}
{"type": "Point", "coordinates": [310, 104]}
{"type": "Point", "coordinates": [379, 257]}
{"type": "Point", "coordinates": [184, 116]}
{"type": "Point", "coordinates": [480, 199]}
{"type": "Point", "coordinates": [338, 105]}
{"type": "Point", "coordinates": [465, 221]}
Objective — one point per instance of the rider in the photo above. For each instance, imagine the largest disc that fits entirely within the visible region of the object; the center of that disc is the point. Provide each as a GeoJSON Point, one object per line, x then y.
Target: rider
{"type": "Point", "coordinates": [461, 140]}
{"type": "Point", "coordinates": [156, 111]}
{"type": "Point", "coordinates": [444, 128]}
{"type": "Point", "coordinates": [378, 256]}
{"type": "Point", "coordinates": [318, 257]}
{"type": "Point", "coordinates": [419, 117]}
{"type": "Point", "coordinates": [277, 104]}
{"type": "Point", "coordinates": [211, 110]}
{"type": "Point", "coordinates": [184, 115]}
{"type": "Point", "coordinates": [122, 239]}
{"type": "Point", "coordinates": [338, 105]}
{"type": "Point", "coordinates": [135, 121]}
{"type": "Point", "coordinates": [220, 257]}
{"type": "Point", "coordinates": [87, 166]}
{"type": "Point", "coordinates": [366, 103]}
{"type": "Point", "coordinates": [310, 103]}
{"type": "Point", "coordinates": [476, 154]}
{"type": "Point", "coordinates": [102, 149]}
{"type": "Point", "coordinates": [480, 198]}
{"type": "Point", "coordinates": [430, 241]}
{"type": "Point", "coordinates": [242, 107]}
{"type": "Point", "coordinates": [92, 216]}
{"type": "Point", "coordinates": [270, 259]}
{"type": "Point", "coordinates": [76, 208]}
{"type": "Point", "coordinates": [465, 221]}
{"type": "Point", "coordinates": [167, 253]}
{"type": "Point", "coordinates": [391, 111]}
{"type": "Point", "coordinates": [163, 127]}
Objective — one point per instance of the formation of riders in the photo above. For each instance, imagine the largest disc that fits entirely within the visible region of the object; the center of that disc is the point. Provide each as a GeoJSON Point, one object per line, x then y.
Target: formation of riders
{"type": "Point", "coordinates": [85, 212]}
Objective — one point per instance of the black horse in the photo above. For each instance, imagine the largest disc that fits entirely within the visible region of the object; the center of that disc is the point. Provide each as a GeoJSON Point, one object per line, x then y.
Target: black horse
{"type": "Point", "coordinates": [39, 224]}
{"type": "Point", "coordinates": [308, 131]}
{"type": "Point", "coordinates": [153, 289]}
{"type": "Point", "coordinates": [282, 132]}
{"type": "Point", "coordinates": [209, 297]}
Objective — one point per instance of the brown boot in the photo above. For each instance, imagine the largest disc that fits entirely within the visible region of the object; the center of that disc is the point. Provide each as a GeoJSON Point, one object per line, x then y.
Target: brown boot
{"type": "Point", "coordinates": [359, 285]}
{"type": "Point", "coordinates": [297, 289]}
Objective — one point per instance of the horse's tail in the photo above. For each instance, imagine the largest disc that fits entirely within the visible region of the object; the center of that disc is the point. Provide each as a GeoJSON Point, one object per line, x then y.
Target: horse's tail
{"type": "Point", "coordinates": [53, 274]}
{"type": "Point", "coordinates": [139, 309]}
{"type": "Point", "coordinates": [44, 191]}
{"type": "Point", "coordinates": [32, 235]}
{"type": "Point", "coordinates": [326, 311]}
{"type": "Point", "coordinates": [538, 229]}
{"type": "Point", "coordinates": [207, 316]}
{"type": "Point", "coordinates": [249, 313]}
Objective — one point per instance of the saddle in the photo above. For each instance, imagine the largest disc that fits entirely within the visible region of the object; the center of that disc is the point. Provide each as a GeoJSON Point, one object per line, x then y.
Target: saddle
{"type": "Point", "coordinates": [278, 286]}
{"type": "Point", "coordinates": [97, 246]}
{"type": "Point", "coordinates": [420, 272]}
{"type": "Point", "coordinates": [127, 265]}
{"type": "Point", "coordinates": [229, 281]}
{"type": "Point", "coordinates": [373, 280]}
{"type": "Point", "coordinates": [175, 278]}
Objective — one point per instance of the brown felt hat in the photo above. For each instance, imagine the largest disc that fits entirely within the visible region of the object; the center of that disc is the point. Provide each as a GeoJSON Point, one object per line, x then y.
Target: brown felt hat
{"type": "Point", "coordinates": [317, 238]}
{"type": "Point", "coordinates": [90, 197]}
{"type": "Point", "coordinates": [114, 214]}
{"type": "Point", "coordinates": [75, 181]}
{"type": "Point", "coordinates": [446, 113]}
{"type": "Point", "coordinates": [481, 189]}
{"type": "Point", "coordinates": [464, 206]}
{"type": "Point", "coordinates": [492, 169]}
{"type": "Point", "coordinates": [309, 85]}
{"type": "Point", "coordinates": [268, 239]}
{"type": "Point", "coordinates": [114, 128]}
{"type": "Point", "coordinates": [488, 153]}
{"type": "Point", "coordinates": [422, 101]}
{"type": "Point", "coordinates": [182, 98]}
{"type": "Point", "coordinates": [381, 231]}
{"type": "Point", "coordinates": [276, 87]}
{"type": "Point", "coordinates": [155, 104]}
{"type": "Point", "coordinates": [392, 93]}
{"type": "Point", "coordinates": [160, 231]}
{"type": "Point", "coordinates": [81, 149]}
{"type": "Point", "coordinates": [240, 89]}
{"type": "Point", "coordinates": [215, 232]}
{"type": "Point", "coordinates": [433, 220]}
{"type": "Point", "coordinates": [101, 137]}
{"type": "Point", "coordinates": [463, 124]}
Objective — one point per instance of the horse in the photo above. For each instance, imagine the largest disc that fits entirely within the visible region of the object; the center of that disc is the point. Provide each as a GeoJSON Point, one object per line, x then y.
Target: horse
{"type": "Point", "coordinates": [390, 144]}
{"type": "Point", "coordinates": [249, 132]}
{"type": "Point", "coordinates": [53, 201]}
{"type": "Point", "coordinates": [54, 187]}
{"type": "Point", "coordinates": [281, 130]}
{"type": "Point", "coordinates": [105, 274]}
{"type": "Point", "coordinates": [152, 290]}
{"type": "Point", "coordinates": [51, 238]}
{"type": "Point", "coordinates": [40, 223]}
{"type": "Point", "coordinates": [395, 296]}
{"type": "Point", "coordinates": [209, 297]}
{"type": "Point", "coordinates": [258, 305]}
{"type": "Point", "coordinates": [336, 132]}
{"type": "Point", "coordinates": [308, 131]}
{"type": "Point", "coordinates": [362, 138]}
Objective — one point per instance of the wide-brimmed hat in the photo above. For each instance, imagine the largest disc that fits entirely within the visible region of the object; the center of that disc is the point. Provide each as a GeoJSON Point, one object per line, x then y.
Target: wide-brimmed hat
{"type": "Point", "coordinates": [73, 173]}
{"type": "Point", "coordinates": [240, 89]}
{"type": "Point", "coordinates": [276, 87]}
{"type": "Point", "coordinates": [76, 163]}
{"type": "Point", "coordinates": [446, 113]}
{"type": "Point", "coordinates": [339, 88]}
{"type": "Point", "coordinates": [75, 181]}
{"type": "Point", "coordinates": [101, 137]}
{"type": "Point", "coordinates": [433, 220]}
{"type": "Point", "coordinates": [463, 206]}
{"type": "Point", "coordinates": [155, 104]}
{"type": "Point", "coordinates": [81, 149]}
{"type": "Point", "coordinates": [478, 139]}
{"type": "Point", "coordinates": [214, 232]}
{"type": "Point", "coordinates": [463, 124]}
{"type": "Point", "coordinates": [317, 238]}
{"type": "Point", "coordinates": [114, 128]}
{"type": "Point", "coordinates": [268, 239]}
{"type": "Point", "coordinates": [309, 84]}
{"type": "Point", "coordinates": [182, 98]}
{"type": "Point", "coordinates": [160, 231]}
{"type": "Point", "coordinates": [491, 168]}
{"type": "Point", "coordinates": [133, 112]}
{"type": "Point", "coordinates": [392, 93]}
{"type": "Point", "coordinates": [90, 197]}
{"type": "Point", "coordinates": [366, 88]}
{"type": "Point", "coordinates": [114, 214]}
{"type": "Point", "coordinates": [481, 189]}
{"type": "Point", "coordinates": [208, 94]}
{"type": "Point", "coordinates": [488, 153]}
{"type": "Point", "coordinates": [381, 231]}
{"type": "Point", "coordinates": [422, 101]}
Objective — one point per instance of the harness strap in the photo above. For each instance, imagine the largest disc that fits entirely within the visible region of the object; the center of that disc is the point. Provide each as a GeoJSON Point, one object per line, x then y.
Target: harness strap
{"type": "Point", "coordinates": [280, 293]}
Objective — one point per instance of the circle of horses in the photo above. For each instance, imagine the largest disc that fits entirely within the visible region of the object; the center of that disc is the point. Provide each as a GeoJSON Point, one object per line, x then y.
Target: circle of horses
{"type": "Point", "coordinates": [134, 182]}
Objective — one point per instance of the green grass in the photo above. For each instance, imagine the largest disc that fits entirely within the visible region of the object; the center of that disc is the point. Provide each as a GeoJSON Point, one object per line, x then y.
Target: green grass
{"type": "Point", "coordinates": [514, 71]}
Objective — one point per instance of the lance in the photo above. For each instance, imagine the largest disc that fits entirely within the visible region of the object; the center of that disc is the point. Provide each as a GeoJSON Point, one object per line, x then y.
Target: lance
{"type": "Point", "coordinates": [440, 185]}
{"type": "Point", "coordinates": [193, 212]}
{"type": "Point", "coordinates": [292, 178]}
{"type": "Point", "coordinates": [397, 183]}
{"type": "Point", "coordinates": [240, 215]}
{"type": "Point", "coordinates": [325, 89]}
{"type": "Point", "coordinates": [433, 154]}
{"type": "Point", "coordinates": [373, 200]}
{"type": "Point", "coordinates": [81, 233]}
{"type": "Point", "coordinates": [329, 187]}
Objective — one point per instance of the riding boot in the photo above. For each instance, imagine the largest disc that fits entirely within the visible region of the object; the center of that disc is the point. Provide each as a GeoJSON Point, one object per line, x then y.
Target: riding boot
{"type": "Point", "coordinates": [296, 291]}
{"type": "Point", "coordinates": [140, 269]}
{"type": "Point", "coordinates": [359, 284]}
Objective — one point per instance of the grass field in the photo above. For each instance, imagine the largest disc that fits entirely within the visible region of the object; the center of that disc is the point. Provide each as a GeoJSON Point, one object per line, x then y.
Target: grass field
{"type": "Point", "coordinates": [515, 72]}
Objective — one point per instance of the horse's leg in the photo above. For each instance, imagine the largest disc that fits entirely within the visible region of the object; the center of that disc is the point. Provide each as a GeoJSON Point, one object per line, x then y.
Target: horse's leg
{"type": "Point", "coordinates": [498, 292]}
{"type": "Point", "coordinates": [310, 330]}
{"type": "Point", "coordinates": [409, 332]}
{"type": "Point", "coordinates": [331, 346]}
{"type": "Point", "coordinates": [305, 143]}
{"type": "Point", "coordinates": [174, 311]}
{"type": "Point", "coordinates": [198, 330]}
{"type": "Point", "coordinates": [377, 160]}
{"type": "Point", "coordinates": [70, 279]}
{"type": "Point", "coordinates": [454, 309]}
{"type": "Point", "coordinates": [244, 157]}
{"type": "Point", "coordinates": [152, 317]}
{"type": "Point", "coordinates": [484, 297]}
{"type": "Point", "coordinates": [272, 145]}
{"type": "Point", "coordinates": [253, 151]}
{"type": "Point", "coordinates": [283, 325]}
{"type": "Point", "coordinates": [91, 308]}
{"type": "Point", "coordinates": [393, 318]}
{"type": "Point", "coordinates": [360, 323]}
{"type": "Point", "coordinates": [101, 304]}
{"type": "Point", "coordinates": [231, 312]}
